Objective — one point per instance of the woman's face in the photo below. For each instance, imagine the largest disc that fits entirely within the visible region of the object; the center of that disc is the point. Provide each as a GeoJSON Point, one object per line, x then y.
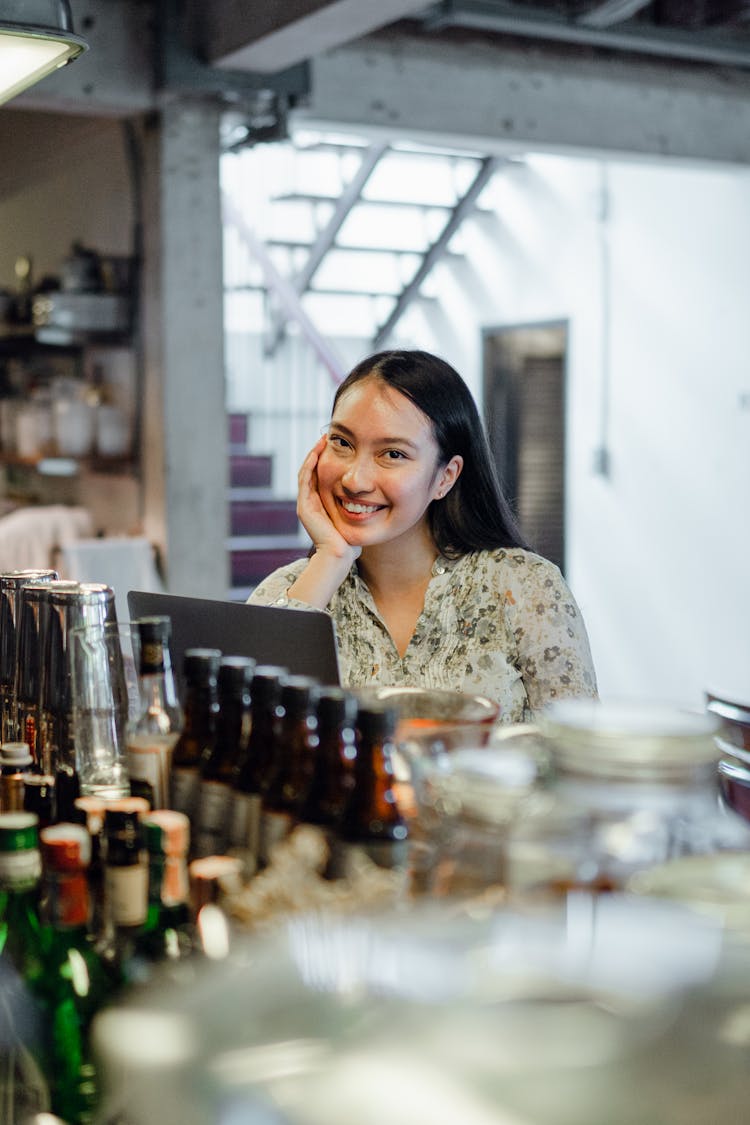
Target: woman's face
{"type": "Point", "coordinates": [379, 471]}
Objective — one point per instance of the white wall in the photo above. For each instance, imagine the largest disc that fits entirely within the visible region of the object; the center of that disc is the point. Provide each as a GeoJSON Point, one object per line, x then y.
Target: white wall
{"type": "Point", "coordinates": [658, 549]}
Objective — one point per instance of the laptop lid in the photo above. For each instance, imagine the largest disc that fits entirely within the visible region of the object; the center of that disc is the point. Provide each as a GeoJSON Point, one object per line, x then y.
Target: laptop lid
{"type": "Point", "coordinates": [302, 641]}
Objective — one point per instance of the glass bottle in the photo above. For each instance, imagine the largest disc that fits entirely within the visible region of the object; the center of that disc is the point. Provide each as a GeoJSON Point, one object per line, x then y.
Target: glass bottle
{"type": "Point", "coordinates": [292, 764]}
{"type": "Point", "coordinates": [75, 985]}
{"type": "Point", "coordinates": [23, 1088]}
{"type": "Point", "coordinates": [633, 785]}
{"type": "Point", "coordinates": [333, 775]}
{"type": "Point", "coordinates": [372, 823]}
{"type": "Point", "coordinates": [90, 812]}
{"type": "Point", "coordinates": [254, 765]}
{"type": "Point", "coordinates": [15, 761]}
{"type": "Point", "coordinates": [200, 669]}
{"type": "Point", "coordinates": [39, 797]}
{"type": "Point", "coordinates": [125, 881]}
{"type": "Point", "coordinates": [165, 934]}
{"type": "Point", "coordinates": [220, 764]}
{"type": "Point", "coordinates": [11, 584]}
{"type": "Point", "coordinates": [151, 736]}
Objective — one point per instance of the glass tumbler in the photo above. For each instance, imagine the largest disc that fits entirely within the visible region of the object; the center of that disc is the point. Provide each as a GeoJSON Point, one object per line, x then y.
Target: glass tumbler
{"type": "Point", "coordinates": [104, 696]}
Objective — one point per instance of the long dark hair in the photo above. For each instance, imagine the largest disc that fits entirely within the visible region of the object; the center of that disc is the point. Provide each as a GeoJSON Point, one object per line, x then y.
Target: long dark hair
{"type": "Point", "coordinates": [475, 514]}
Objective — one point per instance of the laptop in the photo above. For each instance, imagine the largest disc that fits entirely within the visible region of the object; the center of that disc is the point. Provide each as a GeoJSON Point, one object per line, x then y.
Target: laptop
{"type": "Point", "coordinates": [302, 641]}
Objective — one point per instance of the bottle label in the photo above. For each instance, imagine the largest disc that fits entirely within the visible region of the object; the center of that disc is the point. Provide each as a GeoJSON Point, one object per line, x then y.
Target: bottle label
{"type": "Point", "coordinates": [213, 818]}
{"type": "Point", "coordinates": [126, 891]}
{"type": "Point", "coordinates": [274, 827]}
{"type": "Point", "coordinates": [244, 831]}
{"type": "Point", "coordinates": [184, 790]}
{"type": "Point", "coordinates": [67, 899]}
{"type": "Point", "coordinates": [148, 769]}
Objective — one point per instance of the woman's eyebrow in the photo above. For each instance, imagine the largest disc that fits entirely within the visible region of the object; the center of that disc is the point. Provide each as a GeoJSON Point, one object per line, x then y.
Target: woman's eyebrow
{"type": "Point", "coordinates": [342, 429]}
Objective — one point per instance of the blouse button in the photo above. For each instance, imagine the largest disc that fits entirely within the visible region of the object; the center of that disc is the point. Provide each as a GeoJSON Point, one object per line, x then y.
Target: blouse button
{"type": "Point", "coordinates": [283, 600]}
{"type": "Point", "coordinates": [440, 569]}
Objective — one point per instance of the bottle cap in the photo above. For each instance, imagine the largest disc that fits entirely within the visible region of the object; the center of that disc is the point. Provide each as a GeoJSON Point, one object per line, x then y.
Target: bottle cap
{"type": "Point", "coordinates": [377, 721]}
{"type": "Point", "coordinates": [235, 673]}
{"type": "Point", "coordinates": [298, 693]}
{"type": "Point", "coordinates": [153, 635]}
{"type": "Point", "coordinates": [19, 831]}
{"type": "Point", "coordinates": [65, 847]}
{"type": "Point", "coordinates": [265, 688]}
{"type": "Point", "coordinates": [137, 805]}
{"type": "Point", "coordinates": [201, 664]}
{"type": "Point", "coordinates": [15, 755]}
{"type": "Point", "coordinates": [336, 706]}
{"type": "Point", "coordinates": [167, 832]}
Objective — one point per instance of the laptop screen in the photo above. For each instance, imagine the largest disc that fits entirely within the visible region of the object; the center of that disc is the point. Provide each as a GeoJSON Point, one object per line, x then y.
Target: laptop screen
{"type": "Point", "coordinates": [302, 641]}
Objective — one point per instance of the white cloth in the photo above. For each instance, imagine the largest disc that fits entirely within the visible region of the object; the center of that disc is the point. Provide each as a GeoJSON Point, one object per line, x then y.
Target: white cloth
{"type": "Point", "coordinates": [31, 536]}
{"type": "Point", "coordinates": [123, 562]}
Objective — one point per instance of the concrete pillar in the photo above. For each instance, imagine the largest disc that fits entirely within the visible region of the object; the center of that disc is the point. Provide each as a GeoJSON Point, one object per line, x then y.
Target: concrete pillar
{"type": "Point", "coordinates": [185, 444]}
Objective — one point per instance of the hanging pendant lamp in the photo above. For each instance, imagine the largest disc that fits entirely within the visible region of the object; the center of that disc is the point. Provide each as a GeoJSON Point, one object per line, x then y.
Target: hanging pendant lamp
{"type": "Point", "coordinates": [36, 37]}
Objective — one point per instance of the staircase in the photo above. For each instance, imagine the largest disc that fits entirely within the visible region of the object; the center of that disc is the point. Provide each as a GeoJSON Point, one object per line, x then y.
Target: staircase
{"type": "Point", "coordinates": [264, 532]}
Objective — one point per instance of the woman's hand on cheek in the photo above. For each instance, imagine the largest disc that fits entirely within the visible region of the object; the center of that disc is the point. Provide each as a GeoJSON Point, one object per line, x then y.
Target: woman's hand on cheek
{"type": "Point", "coordinates": [312, 514]}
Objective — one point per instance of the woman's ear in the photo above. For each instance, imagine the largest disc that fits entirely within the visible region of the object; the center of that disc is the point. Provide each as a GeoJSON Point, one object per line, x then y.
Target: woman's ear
{"type": "Point", "coordinates": [448, 476]}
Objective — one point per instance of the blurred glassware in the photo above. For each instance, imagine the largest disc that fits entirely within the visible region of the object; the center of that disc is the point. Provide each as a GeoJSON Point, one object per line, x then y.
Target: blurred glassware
{"type": "Point", "coordinates": [562, 1016]}
{"type": "Point", "coordinates": [104, 697]}
{"type": "Point", "coordinates": [70, 605]}
{"type": "Point", "coordinates": [633, 786]}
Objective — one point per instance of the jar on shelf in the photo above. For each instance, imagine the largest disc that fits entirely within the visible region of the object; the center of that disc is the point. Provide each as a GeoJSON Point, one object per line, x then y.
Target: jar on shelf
{"type": "Point", "coordinates": [634, 785]}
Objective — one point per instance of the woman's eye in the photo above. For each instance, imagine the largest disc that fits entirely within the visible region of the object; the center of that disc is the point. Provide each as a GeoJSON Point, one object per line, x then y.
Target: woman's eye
{"type": "Point", "coordinates": [338, 441]}
{"type": "Point", "coordinates": [394, 455]}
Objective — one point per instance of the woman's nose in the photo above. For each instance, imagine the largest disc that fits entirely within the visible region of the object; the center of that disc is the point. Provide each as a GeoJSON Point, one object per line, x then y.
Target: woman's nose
{"type": "Point", "coordinates": [358, 475]}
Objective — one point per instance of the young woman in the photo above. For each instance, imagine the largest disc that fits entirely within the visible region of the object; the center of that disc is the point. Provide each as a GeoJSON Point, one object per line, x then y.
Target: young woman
{"type": "Point", "coordinates": [416, 554]}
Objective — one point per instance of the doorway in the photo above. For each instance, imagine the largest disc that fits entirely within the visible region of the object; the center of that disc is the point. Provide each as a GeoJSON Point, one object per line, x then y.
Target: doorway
{"type": "Point", "coordinates": [524, 408]}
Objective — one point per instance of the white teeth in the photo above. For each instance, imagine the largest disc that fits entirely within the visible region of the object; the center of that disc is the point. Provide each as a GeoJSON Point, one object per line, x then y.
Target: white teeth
{"type": "Point", "coordinates": [358, 509]}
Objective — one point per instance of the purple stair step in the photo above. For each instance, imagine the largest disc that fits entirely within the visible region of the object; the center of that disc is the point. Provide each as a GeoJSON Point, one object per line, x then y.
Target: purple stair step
{"type": "Point", "coordinates": [247, 567]}
{"type": "Point", "coordinates": [249, 470]}
{"type": "Point", "coordinates": [238, 429]}
{"type": "Point", "coordinates": [263, 517]}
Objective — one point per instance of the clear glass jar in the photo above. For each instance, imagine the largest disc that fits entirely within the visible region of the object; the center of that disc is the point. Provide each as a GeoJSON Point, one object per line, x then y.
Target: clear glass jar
{"type": "Point", "coordinates": [634, 785]}
{"type": "Point", "coordinates": [467, 798]}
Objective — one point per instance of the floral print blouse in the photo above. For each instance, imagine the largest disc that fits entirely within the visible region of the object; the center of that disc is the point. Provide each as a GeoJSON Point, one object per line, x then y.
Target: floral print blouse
{"type": "Point", "coordinates": [500, 623]}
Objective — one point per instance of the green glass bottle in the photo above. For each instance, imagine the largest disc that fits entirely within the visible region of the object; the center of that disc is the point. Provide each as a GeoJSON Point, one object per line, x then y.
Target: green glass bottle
{"type": "Point", "coordinates": [166, 934]}
{"type": "Point", "coordinates": [75, 984]}
{"type": "Point", "coordinates": [23, 1088]}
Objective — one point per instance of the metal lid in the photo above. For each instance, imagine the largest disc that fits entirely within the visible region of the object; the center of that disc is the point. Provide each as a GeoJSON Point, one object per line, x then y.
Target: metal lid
{"type": "Point", "coordinates": [629, 740]}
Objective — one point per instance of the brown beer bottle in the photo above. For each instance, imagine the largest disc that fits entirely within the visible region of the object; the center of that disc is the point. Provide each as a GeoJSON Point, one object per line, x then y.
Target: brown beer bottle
{"type": "Point", "coordinates": [221, 762]}
{"type": "Point", "coordinates": [371, 821]}
{"type": "Point", "coordinates": [293, 763]}
{"type": "Point", "coordinates": [201, 706]}
{"type": "Point", "coordinates": [255, 764]}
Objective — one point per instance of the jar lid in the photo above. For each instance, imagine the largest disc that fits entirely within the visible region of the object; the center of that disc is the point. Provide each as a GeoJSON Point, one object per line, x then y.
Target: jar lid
{"type": "Point", "coordinates": [633, 741]}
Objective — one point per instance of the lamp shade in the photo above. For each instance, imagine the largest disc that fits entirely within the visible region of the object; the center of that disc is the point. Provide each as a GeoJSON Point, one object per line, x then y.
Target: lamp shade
{"type": "Point", "coordinates": [36, 37]}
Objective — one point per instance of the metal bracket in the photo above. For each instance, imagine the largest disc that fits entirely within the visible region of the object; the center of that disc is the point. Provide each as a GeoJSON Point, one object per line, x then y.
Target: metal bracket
{"type": "Point", "coordinates": [180, 70]}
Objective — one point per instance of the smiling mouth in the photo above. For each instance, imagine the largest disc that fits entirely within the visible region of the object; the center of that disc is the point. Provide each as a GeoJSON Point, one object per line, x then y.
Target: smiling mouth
{"type": "Point", "coordinates": [359, 509]}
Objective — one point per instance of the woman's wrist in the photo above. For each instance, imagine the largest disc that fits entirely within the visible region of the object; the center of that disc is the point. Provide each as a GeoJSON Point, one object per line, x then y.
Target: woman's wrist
{"type": "Point", "coordinates": [322, 576]}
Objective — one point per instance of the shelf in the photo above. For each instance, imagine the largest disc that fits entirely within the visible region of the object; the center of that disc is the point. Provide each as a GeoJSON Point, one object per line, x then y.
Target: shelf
{"type": "Point", "coordinates": [23, 340]}
{"type": "Point", "coordinates": [55, 465]}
